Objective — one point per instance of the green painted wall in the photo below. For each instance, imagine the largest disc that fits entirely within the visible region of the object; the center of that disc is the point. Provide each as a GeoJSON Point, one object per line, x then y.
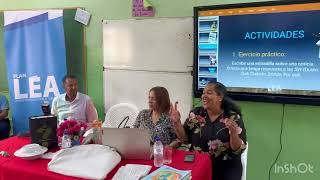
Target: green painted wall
{"type": "Point", "coordinates": [262, 120]}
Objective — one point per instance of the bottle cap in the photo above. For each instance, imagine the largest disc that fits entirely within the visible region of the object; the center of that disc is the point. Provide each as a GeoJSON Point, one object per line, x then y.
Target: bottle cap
{"type": "Point", "coordinates": [157, 138]}
{"type": "Point", "coordinates": [97, 124]}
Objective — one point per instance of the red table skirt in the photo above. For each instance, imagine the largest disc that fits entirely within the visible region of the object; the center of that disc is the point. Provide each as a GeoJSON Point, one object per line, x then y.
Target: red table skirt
{"type": "Point", "coordinates": [17, 168]}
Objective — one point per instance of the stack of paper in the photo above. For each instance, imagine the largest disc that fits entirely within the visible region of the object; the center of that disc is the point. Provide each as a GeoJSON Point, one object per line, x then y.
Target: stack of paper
{"type": "Point", "coordinates": [131, 172]}
{"type": "Point", "coordinates": [169, 173]}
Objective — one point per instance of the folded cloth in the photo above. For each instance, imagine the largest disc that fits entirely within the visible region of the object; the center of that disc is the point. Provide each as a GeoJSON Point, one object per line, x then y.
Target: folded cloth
{"type": "Point", "coordinates": [92, 161]}
{"type": "Point", "coordinates": [48, 155]}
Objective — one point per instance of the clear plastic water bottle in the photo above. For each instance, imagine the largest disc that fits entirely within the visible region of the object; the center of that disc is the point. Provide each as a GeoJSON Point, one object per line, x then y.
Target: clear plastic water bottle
{"type": "Point", "coordinates": [157, 152]}
{"type": "Point", "coordinates": [66, 140]}
{"type": "Point", "coordinates": [97, 135]}
{"type": "Point", "coordinates": [97, 132]}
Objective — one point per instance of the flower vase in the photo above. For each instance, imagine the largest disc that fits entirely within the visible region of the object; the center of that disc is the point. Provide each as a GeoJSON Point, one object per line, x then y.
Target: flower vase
{"type": "Point", "coordinates": [75, 140]}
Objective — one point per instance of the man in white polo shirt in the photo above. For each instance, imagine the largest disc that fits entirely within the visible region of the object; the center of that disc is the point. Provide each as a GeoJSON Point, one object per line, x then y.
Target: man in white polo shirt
{"type": "Point", "coordinates": [73, 104]}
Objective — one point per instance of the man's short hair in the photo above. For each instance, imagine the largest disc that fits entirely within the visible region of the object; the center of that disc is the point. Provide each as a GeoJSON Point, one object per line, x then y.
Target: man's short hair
{"type": "Point", "coordinates": [68, 76]}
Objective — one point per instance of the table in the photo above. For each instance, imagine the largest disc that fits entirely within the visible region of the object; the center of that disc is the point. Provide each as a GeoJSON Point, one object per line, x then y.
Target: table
{"type": "Point", "coordinates": [17, 168]}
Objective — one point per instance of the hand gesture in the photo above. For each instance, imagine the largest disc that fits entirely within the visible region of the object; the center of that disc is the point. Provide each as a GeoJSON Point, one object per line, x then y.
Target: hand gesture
{"type": "Point", "coordinates": [174, 113]}
{"type": "Point", "coordinates": [232, 126]}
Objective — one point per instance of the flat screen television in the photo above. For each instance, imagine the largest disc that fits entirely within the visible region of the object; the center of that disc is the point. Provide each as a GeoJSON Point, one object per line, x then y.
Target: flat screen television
{"type": "Point", "coordinates": [264, 51]}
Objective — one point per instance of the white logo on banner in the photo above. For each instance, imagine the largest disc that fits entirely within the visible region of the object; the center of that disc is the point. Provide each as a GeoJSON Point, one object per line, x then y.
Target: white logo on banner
{"type": "Point", "coordinates": [34, 87]}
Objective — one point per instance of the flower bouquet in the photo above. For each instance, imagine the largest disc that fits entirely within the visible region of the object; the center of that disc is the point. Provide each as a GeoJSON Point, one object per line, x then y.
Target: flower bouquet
{"type": "Point", "coordinates": [73, 128]}
{"type": "Point", "coordinates": [216, 147]}
{"type": "Point", "coordinates": [196, 121]}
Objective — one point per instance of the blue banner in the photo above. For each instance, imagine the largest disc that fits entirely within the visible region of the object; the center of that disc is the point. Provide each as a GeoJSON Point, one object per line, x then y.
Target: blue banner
{"type": "Point", "coordinates": [36, 61]}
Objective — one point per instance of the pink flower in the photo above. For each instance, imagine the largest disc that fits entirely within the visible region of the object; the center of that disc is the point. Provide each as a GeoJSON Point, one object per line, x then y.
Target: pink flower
{"type": "Point", "coordinates": [63, 125]}
{"type": "Point", "coordinates": [192, 115]}
{"type": "Point", "coordinates": [223, 120]}
{"type": "Point", "coordinates": [200, 119]}
{"type": "Point", "coordinates": [77, 128]}
{"type": "Point", "coordinates": [213, 144]}
{"type": "Point", "coordinates": [73, 127]}
{"type": "Point", "coordinates": [196, 120]}
{"type": "Point", "coordinates": [84, 125]}
{"type": "Point", "coordinates": [59, 132]}
{"type": "Point", "coordinates": [72, 122]}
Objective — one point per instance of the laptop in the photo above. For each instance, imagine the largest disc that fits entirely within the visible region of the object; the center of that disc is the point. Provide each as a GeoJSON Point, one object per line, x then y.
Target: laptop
{"type": "Point", "coordinates": [131, 143]}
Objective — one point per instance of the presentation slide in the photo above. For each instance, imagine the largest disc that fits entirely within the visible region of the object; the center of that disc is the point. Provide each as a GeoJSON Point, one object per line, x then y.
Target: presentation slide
{"type": "Point", "coordinates": [277, 52]}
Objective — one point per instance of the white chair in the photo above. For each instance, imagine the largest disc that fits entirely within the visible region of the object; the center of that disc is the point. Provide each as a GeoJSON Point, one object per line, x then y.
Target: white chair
{"type": "Point", "coordinates": [121, 115]}
{"type": "Point", "coordinates": [244, 159]}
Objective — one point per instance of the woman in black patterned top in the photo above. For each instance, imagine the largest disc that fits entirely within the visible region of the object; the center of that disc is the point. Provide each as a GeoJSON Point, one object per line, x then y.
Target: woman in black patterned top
{"type": "Point", "coordinates": [156, 119]}
{"type": "Point", "coordinates": [216, 128]}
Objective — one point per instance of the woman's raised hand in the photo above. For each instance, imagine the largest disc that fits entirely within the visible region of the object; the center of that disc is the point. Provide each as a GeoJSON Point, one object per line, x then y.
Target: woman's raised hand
{"type": "Point", "coordinates": [232, 126]}
{"type": "Point", "coordinates": [174, 113]}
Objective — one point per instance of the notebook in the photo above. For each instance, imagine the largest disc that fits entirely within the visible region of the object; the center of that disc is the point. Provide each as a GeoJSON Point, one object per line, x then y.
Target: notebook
{"type": "Point", "coordinates": [169, 173]}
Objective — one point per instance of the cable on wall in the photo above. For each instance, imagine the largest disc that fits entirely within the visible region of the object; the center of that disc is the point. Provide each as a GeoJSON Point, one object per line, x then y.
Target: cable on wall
{"type": "Point", "coordinates": [280, 137]}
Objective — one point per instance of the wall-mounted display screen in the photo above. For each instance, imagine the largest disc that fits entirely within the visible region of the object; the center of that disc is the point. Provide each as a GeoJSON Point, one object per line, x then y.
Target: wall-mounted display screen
{"type": "Point", "coordinates": [268, 51]}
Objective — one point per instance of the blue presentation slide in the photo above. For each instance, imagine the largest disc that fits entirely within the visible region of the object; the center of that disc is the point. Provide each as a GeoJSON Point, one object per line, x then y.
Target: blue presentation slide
{"type": "Point", "coordinates": [274, 50]}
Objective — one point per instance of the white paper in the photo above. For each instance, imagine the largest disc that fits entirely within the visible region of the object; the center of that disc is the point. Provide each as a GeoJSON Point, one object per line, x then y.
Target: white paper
{"type": "Point", "coordinates": [131, 172]}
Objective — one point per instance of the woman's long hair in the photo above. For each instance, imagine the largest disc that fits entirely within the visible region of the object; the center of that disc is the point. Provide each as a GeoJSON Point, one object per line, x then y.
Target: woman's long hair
{"type": "Point", "coordinates": [227, 103]}
{"type": "Point", "coordinates": [162, 99]}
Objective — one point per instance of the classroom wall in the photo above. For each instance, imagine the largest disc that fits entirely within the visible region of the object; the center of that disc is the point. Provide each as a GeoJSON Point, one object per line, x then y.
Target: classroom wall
{"type": "Point", "coordinates": [262, 120]}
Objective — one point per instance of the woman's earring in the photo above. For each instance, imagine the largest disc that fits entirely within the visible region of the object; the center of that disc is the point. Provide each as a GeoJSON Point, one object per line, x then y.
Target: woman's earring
{"type": "Point", "coordinates": [220, 100]}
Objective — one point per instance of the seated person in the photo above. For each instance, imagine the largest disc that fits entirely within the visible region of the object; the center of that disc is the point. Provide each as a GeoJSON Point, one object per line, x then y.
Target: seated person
{"type": "Point", "coordinates": [156, 119]}
{"type": "Point", "coordinates": [217, 128]}
{"type": "Point", "coordinates": [73, 104]}
{"type": "Point", "coordinates": [4, 121]}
